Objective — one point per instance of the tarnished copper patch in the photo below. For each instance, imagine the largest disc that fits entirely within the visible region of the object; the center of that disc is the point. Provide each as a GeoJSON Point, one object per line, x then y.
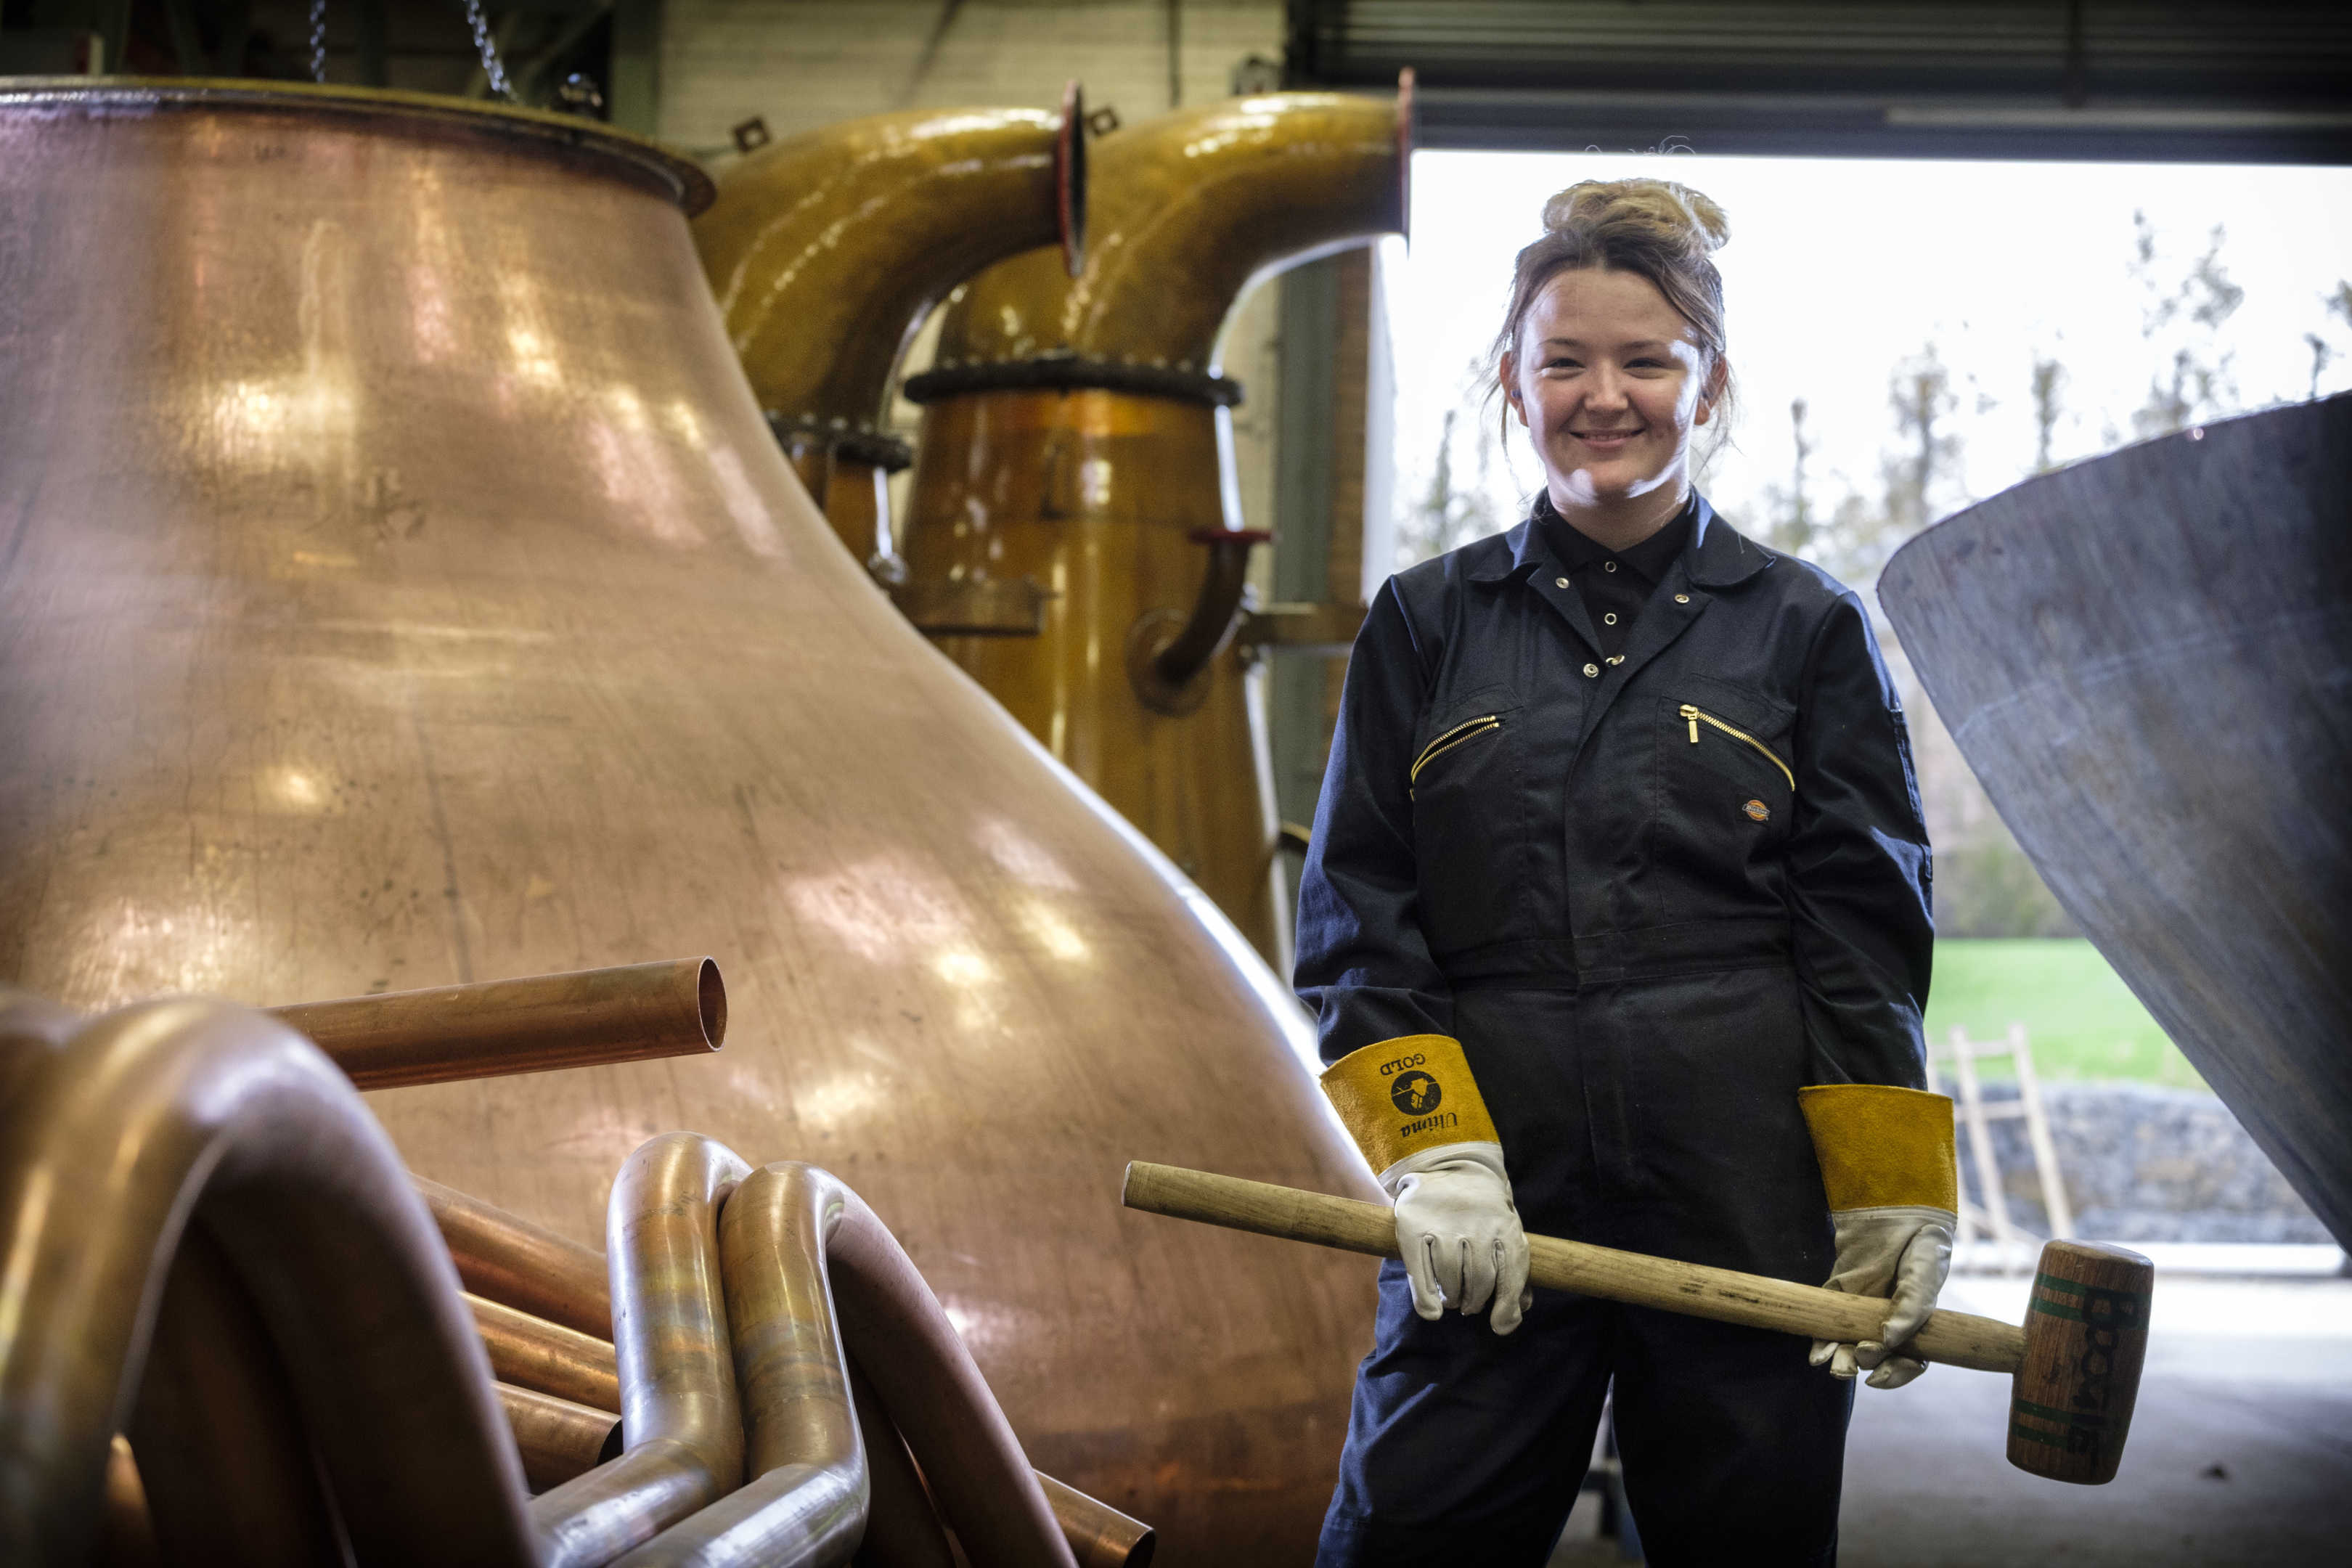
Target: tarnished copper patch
{"type": "Point", "coordinates": [1758, 811]}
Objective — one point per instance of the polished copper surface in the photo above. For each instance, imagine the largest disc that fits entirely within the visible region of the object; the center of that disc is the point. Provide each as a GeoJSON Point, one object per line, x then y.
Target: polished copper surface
{"type": "Point", "coordinates": [827, 249]}
{"type": "Point", "coordinates": [682, 1429]}
{"type": "Point", "coordinates": [492, 1028]}
{"type": "Point", "coordinates": [1099, 495]}
{"type": "Point", "coordinates": [559, 1440]}
{"type": "Point", "coordinates": [405, 588]}
{"type": "Point", "coordinates": [509, 1260]}
{"type": "Point", "coordinates": [547, 1358]}
{"type": "Point", "coordinates": [169, 1115]}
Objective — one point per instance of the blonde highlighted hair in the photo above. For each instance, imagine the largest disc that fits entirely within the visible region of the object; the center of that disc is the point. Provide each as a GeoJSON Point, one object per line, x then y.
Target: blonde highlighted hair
{"type": "Point", "coordinates": [1658, 229]}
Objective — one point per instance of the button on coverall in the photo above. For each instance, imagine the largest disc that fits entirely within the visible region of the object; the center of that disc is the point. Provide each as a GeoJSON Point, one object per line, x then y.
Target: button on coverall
{"type": "Point", "coordinates": [1651, 903]}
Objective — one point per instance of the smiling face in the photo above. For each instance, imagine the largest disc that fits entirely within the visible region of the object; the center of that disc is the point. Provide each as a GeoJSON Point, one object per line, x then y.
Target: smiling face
{"type": "Point", "coordinates": [1610, 380]}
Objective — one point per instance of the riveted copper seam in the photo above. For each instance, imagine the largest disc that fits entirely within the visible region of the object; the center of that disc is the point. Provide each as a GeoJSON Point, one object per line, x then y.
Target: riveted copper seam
{"type": "Point", "coordinates": [633, 1013]}
{"type": "Point", "coordinates": [167, 1110]}
{"type": "Point", "coordinates": [680, 1418]}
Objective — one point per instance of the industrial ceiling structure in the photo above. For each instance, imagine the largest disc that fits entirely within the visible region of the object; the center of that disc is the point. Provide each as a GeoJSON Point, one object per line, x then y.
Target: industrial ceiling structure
{"type": "Point", "coordinates": [2094, 79]}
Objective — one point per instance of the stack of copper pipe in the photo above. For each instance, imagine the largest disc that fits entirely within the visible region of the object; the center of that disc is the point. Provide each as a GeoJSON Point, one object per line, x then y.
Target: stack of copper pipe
{"type": "Point", "coordinates": [228, 1331]}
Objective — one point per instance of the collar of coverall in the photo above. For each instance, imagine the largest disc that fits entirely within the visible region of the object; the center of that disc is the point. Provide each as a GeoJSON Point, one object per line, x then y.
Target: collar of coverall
{"type": "Point", "coordinates": [1715, 557]}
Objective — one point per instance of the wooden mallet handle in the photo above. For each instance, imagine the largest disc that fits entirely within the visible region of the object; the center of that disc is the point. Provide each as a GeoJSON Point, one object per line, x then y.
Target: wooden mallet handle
{"type": "Point", "coordinates": [1957, 1339]}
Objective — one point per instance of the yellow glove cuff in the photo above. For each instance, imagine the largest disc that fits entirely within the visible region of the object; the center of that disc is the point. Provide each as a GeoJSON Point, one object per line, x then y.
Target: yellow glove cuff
{"type": "Point", "coordinates": [1882, 1147]}
{"type": "Point", "coordinates": [1406, 1095]}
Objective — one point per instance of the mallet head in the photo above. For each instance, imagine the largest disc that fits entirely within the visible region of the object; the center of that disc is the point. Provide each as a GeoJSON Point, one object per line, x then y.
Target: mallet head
{"type": "Point", "coordinates": [2085, 1340]}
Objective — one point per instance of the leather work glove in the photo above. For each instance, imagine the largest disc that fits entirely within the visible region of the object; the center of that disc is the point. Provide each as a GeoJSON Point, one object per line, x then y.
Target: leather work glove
{"type": "Point", "coordinates": [1900, 1252]}
{"type": "Point", "coordinates": [1415, 1111]}
{"type": "Point", "coordinates": [1888, 1170]}
{"type": "Point", "coordinates": [1459, 1232]}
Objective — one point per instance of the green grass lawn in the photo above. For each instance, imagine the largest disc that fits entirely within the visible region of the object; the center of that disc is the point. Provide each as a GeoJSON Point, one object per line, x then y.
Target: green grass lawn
{"type": "Point", "coordinates": [2081, 1019]}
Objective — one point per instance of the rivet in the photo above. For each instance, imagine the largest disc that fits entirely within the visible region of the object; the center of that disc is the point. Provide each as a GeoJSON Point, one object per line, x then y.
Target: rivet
{"type": "Point", "coordinates": [1682, 598]}
{"type": "Point", "coordinates": [1591, 669]}
{"type": "Point", "coordinates": [1609, 566]}
{"type": "Point", "coordinates": [1559, 582]}
{"type": "Point", "coordinates": [1611, 620]}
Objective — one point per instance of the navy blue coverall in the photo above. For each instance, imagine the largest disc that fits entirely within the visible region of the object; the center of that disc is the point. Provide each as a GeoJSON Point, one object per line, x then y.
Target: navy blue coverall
{"type": "Point", "coordinates": [1647, 936]}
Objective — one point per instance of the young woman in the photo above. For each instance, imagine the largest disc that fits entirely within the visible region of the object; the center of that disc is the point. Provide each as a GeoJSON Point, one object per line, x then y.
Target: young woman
{"type": "Point", "coordinates": [1616, 920]}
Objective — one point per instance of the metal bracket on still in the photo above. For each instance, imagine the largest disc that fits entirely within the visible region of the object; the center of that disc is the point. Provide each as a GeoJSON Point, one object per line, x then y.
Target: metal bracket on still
{"type": "Point", "coordinates": [1301, 627]}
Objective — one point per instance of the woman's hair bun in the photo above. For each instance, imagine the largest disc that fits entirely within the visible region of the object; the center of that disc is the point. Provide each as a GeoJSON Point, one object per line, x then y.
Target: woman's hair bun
{"type": "Point", "coordinates": [1683, 218]}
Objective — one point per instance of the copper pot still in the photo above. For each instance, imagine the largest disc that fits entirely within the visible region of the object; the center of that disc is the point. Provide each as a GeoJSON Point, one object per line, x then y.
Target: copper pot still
{"type": "Point", "coordinates": [399, 585]}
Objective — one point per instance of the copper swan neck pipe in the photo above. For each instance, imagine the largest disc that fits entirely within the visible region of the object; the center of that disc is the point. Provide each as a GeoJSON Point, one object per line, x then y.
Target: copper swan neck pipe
{"type": "Point", "coordinates": [827, 249]}
{"type": "Point", "coordinates": [1194, 205]}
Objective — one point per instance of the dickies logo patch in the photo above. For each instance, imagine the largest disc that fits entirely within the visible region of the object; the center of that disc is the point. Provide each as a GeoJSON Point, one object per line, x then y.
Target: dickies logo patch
{"type": "Point", "coordinates": [1758, 811]}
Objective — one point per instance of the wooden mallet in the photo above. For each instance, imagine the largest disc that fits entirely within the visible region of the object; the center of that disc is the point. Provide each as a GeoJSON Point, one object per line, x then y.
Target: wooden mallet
{"type": "Point", "coordinates": [2074, 1366]}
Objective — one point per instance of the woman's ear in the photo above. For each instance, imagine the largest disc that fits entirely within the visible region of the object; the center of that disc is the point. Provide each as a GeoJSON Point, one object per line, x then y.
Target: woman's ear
{"type": "Point", "coordinates": [1717, 379]}
{"type": "Point", "coordinates": [1510, 377]}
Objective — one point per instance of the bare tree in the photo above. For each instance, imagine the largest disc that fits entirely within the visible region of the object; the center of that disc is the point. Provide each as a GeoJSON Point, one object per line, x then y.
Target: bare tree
{"type": "Point", "coordinates": [2186, 317]}
{"type": "Point", "coordinates": [2049, 382]}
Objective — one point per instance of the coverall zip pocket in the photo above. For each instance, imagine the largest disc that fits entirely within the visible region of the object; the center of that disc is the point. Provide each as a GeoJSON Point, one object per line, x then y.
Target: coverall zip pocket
{"type": "Point", "coordinates": [1695, 718]}
{"type": "Point", "coordinates": [1468, 730]}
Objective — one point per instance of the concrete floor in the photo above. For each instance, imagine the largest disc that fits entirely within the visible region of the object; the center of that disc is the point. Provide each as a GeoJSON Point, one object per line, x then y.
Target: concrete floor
{"type": "Point", "coordinates": [2241, 1451]}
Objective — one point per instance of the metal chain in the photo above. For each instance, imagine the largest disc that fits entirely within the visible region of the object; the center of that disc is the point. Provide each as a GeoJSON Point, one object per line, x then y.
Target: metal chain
{"type": "Point", "coordinates": [490, 66]}
{"type": "Point", "coordinates": [318, 40]}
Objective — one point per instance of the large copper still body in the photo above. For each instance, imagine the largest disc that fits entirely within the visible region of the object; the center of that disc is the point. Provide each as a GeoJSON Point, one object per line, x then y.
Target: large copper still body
{"type": "Point", "coordinates": [400, 585]}
{"type": "Point", "coordinates": [1077, 446]}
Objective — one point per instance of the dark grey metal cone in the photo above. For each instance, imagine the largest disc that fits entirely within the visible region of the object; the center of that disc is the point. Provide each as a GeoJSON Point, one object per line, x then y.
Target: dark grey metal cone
{"type": "Point", "coordinates": [2147, 659]}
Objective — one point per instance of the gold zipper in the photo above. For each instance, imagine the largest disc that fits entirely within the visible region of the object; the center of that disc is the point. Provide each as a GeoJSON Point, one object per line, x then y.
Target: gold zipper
{"type": "Point", "coordinates": [1469, 729]}
{"type": "Point", "coordinates": [1697, 718]}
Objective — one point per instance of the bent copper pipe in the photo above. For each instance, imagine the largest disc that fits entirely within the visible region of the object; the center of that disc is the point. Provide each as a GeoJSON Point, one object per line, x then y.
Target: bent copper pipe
{"type": "Point", "coordinates": [902, 1528]}
{"type": "Point", "coordinates": [1175, 663]}
{"type": "Point", "coordinates": [682, 1428]}
{"type": "Point", "coordinates": [506, 1258]}
{"type": "Point", "coordinates": [799, 1245]}
{"type": "Point", "coordinates": [547, 1358]}
{"type": "Point", "coordinates": [558, 1439]}
{"type": "Point", "coordinates": [228, 1472]}
{"type": "Point", "coordinates": [634, 1012]}
{"type": "Point", "coordinates": [172, 1110]}
{"type": "Point", "coordinates": [827, 249]}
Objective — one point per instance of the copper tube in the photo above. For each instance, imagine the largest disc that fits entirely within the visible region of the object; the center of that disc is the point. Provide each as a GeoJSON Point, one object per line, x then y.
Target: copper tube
{"type": "Point", "coordinates": [808, 1266]}
{"type": "Point", "coordinates": [827, 249]}
{"type": "Point", "coordinates": [558, 1439]}
{"type": "Point", "coordinates": [634, 1013]}
{"type": "Point", "coordinates": [506, 1258]}
{"type": "Point", "coordinates": [547, 1358]}
{"type": "Point", "coordinates": [229, 1470]}
{"type": "Point", "coordinates": [680, 1421]}
{"type": "Point", "coordinates": [1166, 652]}
{"type": "Point", "coordinates": [169, 1109]}
{"type": "Point", "coordinates": [1189, 205]}
{"type": "Point", "coordinates": [1099, 1535]}
{"type": "Point", "coordinates": [902, 1527]}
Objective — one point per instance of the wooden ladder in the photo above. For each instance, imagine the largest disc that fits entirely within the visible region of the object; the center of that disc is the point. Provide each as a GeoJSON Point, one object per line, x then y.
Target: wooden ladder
{"type": "Point", "coordinates": [1991, 1215]}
